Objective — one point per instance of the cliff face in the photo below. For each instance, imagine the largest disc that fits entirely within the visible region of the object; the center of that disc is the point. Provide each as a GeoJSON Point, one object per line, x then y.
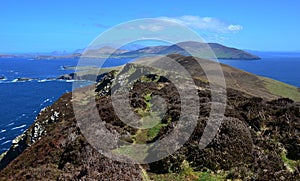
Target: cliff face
{"type": "Point", "coordinates": [57, 150]}
{"type": "Point", "coordinates": [258, 140]}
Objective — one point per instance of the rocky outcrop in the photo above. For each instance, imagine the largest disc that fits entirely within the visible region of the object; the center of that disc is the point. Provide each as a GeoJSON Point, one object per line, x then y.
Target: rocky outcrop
{"type": "Point", "coordinates": [53, 148]}
{"type": "Point", "coordinates": [24, 79]}
{"type": "Point", "coordinates": [81, 76]}
{"type": "Point", "coordinates": [67, 77]}
{"type": "Point", "coordinates": [29, 137]}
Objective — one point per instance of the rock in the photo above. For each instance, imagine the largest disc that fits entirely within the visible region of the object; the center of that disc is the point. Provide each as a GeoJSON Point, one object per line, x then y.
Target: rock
{"type": "Point", "coordinates": [58, 151]}
{"type": "Point", "coordinates": [24, 79]}
{"type": "Point", "coordinates": [81, 76]}
{"type": "Point", "coordinates": [67, 77]}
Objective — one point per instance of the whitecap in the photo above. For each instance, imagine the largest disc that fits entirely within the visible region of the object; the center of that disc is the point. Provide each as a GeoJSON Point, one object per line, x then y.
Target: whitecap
{"type": "Point", "coordinates": [47, 100]}
{"type": "Point", "coordinates": [15, 80]}
{"type": "Point", "coordinates": [44, 80]}
{"type": "Point", "coordinates": [19, 127]}
{"type": "Point", "coordinates": [2, 138]}
{"type": "Point", "coordinates": [3, 79]}
{"type": "Point", "coordinates": [8, 141]}
{"type": "Point", "coordinates": [10, 124]}
{"type": "Point", "coordinates": [3, 130]}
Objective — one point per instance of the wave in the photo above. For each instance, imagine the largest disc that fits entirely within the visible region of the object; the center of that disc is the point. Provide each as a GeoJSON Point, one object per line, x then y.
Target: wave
{"type": "Point", "coordinates": [3, 130]}
{"type": "Point", "coordinates": [44, 102]}
{"type": "Point", "coordinates": [44, 80]}
{"type": "Point", "coordinates": [15, 80]}
{"type": "Point", "coordinates": [47, 100]}
{"type": "Point", "coordinates": [10, 124]}
{"type": "Point", "coordinates": [4, 149]}
{"type": "Point", "coordinates": [3, 81]}
{"type": "Point", "coordinates": [2, 138]}
{"type": "Point", "coordinates": [18, 80]}
{"type": "Point", "coordinates": [3, 78]}
{"type": "Point", "coordinates": [19, 127]}
{"type": "Point", "coordinates": [8, 141]}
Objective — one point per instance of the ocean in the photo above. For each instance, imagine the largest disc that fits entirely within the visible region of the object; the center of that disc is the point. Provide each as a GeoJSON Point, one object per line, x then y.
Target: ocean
{"type": "Point", "coordinates": [284, 67]}
{"type": "Point", "coordinates": [22, 101]}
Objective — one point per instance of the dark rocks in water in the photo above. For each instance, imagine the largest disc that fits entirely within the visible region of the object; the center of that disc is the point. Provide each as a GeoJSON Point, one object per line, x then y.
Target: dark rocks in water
{"type": "Point", "coordinates": [87, 77]}
{"type": "Point", "coordinates": [70, 76]}
{"type": "Point", "coordinates": [25, 79]}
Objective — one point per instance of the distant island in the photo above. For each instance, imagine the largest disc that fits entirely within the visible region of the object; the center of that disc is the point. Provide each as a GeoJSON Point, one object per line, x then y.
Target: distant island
{"type": "Point", "coordinates": [201, 49]}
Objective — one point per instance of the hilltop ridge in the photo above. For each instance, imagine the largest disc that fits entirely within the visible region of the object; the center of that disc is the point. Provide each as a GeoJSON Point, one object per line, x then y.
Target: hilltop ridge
{"type": "Point", "coordinates": [258, 139]}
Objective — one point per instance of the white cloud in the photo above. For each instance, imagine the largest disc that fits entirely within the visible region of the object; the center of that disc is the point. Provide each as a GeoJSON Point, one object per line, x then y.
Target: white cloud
{"type": "Point", "coordinates": [153, 28]}
{"type": "Point", "coordinates": [235, 27]}
{"type": "Point", "coordinates": [205, 23]}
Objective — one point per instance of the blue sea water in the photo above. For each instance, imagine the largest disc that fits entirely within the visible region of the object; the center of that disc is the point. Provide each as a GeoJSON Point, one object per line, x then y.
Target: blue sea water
{"type": "Point", "coordinates": [22, 101]}
{"type": "Point", "coordinates": [284, 67]}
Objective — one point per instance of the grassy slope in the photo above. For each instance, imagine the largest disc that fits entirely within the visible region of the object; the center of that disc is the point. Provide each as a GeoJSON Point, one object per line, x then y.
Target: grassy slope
{"type": "Point", "coordinates": [281, 89]}
{"type": "Point", "coordinates": [236, 79]}
{"type": "Point", "coordinates": [254, 85]}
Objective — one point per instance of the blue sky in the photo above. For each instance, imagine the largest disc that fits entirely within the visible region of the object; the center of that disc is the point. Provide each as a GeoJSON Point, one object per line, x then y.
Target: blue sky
{"type": "Point", "coordinates": [49, 25]}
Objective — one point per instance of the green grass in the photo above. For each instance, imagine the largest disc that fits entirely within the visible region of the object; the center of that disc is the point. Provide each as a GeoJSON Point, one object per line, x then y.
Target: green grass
{"type": "Point", "coordinates": [150, 120]}
{"type": "Point", "coordinates": [153, 132]}
{"type": "Point", "coordinates": [281, 89]}
{"type": "Point", "coordinates": [148, 98]}
{"type": "Point", "coordinates": [290, 164]}
{"type": "Point", "coordinates": [145, 112]}
{"type": "Point", "coordinates": [146, 79]}
{"type": "Point", "coordinates": [132, 152]}
{"type": "Point", "coordinates": [193, 176]}
{"type": "Point", "coordinates": [145, 135]}
{"type": "Point", "coordinates": [187, 173]}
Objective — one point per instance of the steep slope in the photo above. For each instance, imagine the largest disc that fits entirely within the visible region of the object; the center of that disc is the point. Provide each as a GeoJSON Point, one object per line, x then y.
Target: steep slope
{"type": "Point", "coordinates": [54, 149]}
{"type": "Point", "coordinates": [258, 139]}
{"type": "Point", "coordinates": [249, 84]}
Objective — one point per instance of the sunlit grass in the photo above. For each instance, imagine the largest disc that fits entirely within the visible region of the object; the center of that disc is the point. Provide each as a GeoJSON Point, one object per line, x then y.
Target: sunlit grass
{"type": "Point", "coordinates": [281, 89]}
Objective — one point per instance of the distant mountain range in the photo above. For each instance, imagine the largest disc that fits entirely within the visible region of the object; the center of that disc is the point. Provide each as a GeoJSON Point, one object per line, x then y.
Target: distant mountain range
{"type": "Point", "coordinates": [202, 50]}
